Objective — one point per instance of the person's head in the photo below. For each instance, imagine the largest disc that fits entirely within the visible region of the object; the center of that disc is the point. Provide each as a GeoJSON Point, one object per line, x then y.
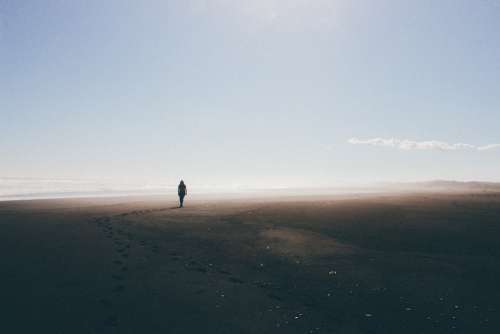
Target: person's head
{"type": "Point", "coordinates": [182, 181]}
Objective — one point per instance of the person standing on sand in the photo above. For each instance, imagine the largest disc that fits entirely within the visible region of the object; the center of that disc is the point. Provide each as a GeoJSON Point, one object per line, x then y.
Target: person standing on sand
{"type": "Point", "coordinates": [181, 191]}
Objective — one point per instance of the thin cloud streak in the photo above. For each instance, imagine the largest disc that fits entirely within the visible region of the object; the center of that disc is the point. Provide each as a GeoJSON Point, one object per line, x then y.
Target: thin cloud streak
{"type": "Point", "coordinates": [405, 144]}
{"type": "Point", "coordinates": [488, 147]}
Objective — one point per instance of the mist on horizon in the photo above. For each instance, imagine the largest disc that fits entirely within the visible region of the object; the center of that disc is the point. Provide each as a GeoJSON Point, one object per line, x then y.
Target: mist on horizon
{"type": "Point", "coordinates": [33, 188]}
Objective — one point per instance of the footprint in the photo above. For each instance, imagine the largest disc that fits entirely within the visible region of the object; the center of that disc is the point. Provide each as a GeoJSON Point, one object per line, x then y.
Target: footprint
{"type": "Point", "coordinates": [275, 297]}
{"type": "Point", "coordinates": [105, 302]}
{"type": "Point", "coordinates": [119, 288]}
{"type": "Point", "coordinates": [111, 321]}
{"type": "Point", "coordinates": [236, 280]}
{"type": "Point", "coordinates": [262, 284]}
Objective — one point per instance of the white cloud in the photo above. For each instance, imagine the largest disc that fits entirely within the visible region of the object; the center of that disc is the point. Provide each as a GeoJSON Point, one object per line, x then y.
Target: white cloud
{"type": "Point", "coordinates": [488, 147]}
{"type": "Point", "coordinates": [405, 144]}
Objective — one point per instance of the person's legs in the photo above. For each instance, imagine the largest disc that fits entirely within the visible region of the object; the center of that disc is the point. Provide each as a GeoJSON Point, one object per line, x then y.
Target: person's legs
{"type": "Point", "coordinates": [181, 200]}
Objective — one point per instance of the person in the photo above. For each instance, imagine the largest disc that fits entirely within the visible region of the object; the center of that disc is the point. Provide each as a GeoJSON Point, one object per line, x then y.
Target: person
{"type": "Point", "coordinates": [181, 191]}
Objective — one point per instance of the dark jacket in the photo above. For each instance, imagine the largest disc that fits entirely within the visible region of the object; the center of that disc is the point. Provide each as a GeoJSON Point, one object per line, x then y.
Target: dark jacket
{"type": "Point", "coordinates": [182, 190]}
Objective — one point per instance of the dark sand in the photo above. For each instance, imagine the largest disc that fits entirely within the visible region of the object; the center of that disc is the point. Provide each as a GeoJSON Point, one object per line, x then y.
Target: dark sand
{"type": "Point", "coordinates": [423, 263]}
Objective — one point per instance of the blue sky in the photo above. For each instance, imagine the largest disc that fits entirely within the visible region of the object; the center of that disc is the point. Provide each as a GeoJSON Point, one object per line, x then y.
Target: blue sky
{"type": "Point", "coordinates": [259, 93]}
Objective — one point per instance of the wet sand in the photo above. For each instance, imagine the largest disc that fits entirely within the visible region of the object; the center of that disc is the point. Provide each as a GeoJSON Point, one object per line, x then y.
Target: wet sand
{"type": "Point", "coordinates": [412, 263]}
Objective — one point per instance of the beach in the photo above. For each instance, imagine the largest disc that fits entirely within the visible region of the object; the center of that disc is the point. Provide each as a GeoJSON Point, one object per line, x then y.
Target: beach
{"type": "Point", "coordinates": [359, 263]}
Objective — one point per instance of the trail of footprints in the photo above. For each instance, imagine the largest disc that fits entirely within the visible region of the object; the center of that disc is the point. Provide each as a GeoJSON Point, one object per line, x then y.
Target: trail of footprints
{"type": "Point", "coordinates": [122, 248]}
{"type": "Point", "coordinates": [123, 242]}
{"type": "Point", "coordinates": [141, 212]}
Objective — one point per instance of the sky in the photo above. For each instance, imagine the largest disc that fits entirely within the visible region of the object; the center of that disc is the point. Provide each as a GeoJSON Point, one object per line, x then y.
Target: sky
{"type": "Point", "coordinates": [263, 93]}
